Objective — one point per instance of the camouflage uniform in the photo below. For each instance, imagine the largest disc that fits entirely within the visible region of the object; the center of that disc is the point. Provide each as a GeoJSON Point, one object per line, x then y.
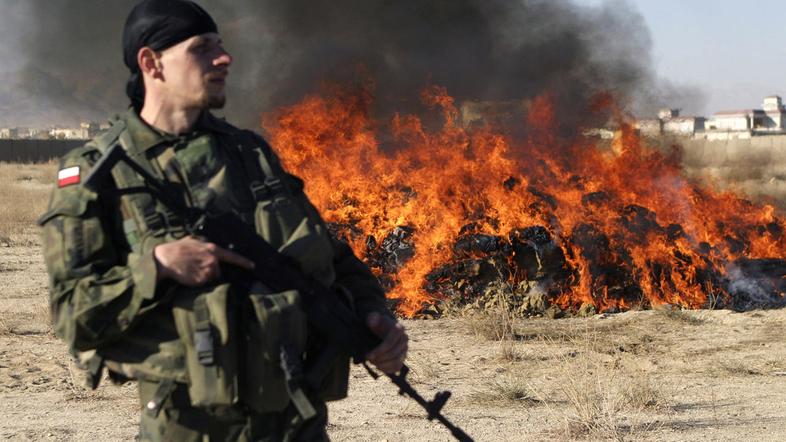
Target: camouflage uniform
{"type": "Point", "coordinates": [107, 306]}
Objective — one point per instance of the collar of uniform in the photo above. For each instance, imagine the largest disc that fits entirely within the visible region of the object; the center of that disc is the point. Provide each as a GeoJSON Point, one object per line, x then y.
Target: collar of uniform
{"type": "Point", "coordinates": [144, 135]}
{"type": "Point", "coordinates": [210, 123]}
{"type": "Point", "coordinates": [148, 137]}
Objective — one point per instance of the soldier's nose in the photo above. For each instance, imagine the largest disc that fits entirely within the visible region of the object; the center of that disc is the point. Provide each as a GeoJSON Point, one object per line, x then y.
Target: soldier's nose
{"type": "Point", "coordinates": [225, 59]}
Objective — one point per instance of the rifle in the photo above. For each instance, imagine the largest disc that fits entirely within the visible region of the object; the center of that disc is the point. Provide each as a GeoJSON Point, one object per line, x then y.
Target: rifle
{"type": "Point", "coordinates": [326, 311]}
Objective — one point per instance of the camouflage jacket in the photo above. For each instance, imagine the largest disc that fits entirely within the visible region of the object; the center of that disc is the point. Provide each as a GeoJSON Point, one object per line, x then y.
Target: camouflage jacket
{"type": "Point", "coordinates": [104, 295]}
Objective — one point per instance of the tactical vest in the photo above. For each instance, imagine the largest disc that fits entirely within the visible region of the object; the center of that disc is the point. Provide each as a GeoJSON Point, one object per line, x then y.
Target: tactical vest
{"type": "Point", "coordinates": [239, 347]}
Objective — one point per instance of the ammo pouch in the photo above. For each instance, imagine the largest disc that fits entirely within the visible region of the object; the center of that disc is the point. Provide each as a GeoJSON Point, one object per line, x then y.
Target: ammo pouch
{"type": "Point", "coordinates": [275, 330]}
{"type": "Point", "coordinates": [242, 347]}
{"type": "Point", "coordinates": [206, 322]}
{"type": "Point", "coordinates": [282, 222]}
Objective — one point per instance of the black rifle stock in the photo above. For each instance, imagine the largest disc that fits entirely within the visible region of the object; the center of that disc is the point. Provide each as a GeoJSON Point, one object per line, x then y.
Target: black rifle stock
{"type": "Point", "coordinates": [326, 310]}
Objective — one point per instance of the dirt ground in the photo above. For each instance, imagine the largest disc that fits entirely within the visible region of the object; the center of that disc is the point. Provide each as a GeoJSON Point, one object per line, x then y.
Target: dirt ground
{"type": "Point", "coordinates": [655, 375]}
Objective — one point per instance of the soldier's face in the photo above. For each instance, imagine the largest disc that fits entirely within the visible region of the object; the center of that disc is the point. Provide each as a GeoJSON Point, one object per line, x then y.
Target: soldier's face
{"type": "Point", "coordinates": [195, 72]}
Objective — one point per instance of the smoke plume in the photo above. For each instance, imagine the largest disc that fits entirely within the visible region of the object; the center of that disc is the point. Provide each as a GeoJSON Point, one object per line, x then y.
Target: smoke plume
{"type": "Point", "coordinates": [479, 49]}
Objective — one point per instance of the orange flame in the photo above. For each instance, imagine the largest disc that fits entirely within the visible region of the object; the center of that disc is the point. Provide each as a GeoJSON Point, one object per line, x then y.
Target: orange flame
{"type": "Point", "coordinates": [633, 204]}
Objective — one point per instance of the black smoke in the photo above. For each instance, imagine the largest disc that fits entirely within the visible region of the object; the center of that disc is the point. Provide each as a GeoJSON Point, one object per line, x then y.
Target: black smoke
{"type": "Point", "coordinates": [479, 49]}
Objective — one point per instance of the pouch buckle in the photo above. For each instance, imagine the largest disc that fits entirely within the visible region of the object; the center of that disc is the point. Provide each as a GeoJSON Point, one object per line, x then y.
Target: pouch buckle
{"type": "Point", "coordinates": [155, 221]}
{"type": "Point", "coordinates": [203, 344]}
{"type": "Point", "coordinates": [203, 339]}
{"type": "Point", "coordinates": [264, 190]}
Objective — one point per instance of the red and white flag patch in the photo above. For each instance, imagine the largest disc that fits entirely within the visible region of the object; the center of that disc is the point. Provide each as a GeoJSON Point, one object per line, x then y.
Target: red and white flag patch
{"type": "Point", "coordinates": [68, 176]}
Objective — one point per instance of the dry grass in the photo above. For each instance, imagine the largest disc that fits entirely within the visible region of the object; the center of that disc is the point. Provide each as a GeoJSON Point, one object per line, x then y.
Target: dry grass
{"type": "Point", "coordinates": [676, 314]}
{"type": "Point", "coordinates": [42, 315]}
{"type": "Point", "coordinates": [23, 198]}
{"type": "Point", "coordinates": [5, 327]}
{"type": "Point", "coordinates": [504, 390]}
{"type": "Point", "coordinates": [509, 352]}
{"type": "Point", "coordinates": [642, 392]}
{"type": "Point", "coordinates": [597, 395]}
{"type": "Point", "coordinates": [422, 369]}
{"type": "Point", "coordinates": [593, 388]}
{"type": "Point", "coordinates": [606, 403]}
{"type": "Point", "coordinates": [735, 367]}
{"type": "Point", "coordinates": [493, 324]}
{"type": "Point", "coordinates": [19, 323]}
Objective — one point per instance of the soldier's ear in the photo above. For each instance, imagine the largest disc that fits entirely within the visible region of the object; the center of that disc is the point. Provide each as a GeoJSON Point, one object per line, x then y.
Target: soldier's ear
{"type": "Point", "coordinates": [149, 62]}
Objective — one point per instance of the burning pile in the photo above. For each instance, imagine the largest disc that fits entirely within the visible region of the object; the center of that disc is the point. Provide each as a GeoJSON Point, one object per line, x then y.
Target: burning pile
{"type": "Point", "coordinates": [448, 212]}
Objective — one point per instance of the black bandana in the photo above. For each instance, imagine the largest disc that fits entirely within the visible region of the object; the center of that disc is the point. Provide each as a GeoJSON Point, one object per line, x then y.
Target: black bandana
{"type": "Point", "coordinates": [159, 24]}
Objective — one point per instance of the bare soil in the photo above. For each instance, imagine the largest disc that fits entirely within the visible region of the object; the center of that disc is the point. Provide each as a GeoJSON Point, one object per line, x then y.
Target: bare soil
{"type": "Point", "coordinates": [654, 375]}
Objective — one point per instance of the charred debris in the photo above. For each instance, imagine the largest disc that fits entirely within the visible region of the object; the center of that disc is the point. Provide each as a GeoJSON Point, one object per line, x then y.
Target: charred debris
{"type": "Point", "coordinates": [534, 268]}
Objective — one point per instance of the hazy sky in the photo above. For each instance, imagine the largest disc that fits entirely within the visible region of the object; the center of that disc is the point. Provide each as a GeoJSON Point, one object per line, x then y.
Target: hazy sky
{"type": "Point", "coordinates": [732, 52]}
{"type": "Point", "coordinates": [735, 52]}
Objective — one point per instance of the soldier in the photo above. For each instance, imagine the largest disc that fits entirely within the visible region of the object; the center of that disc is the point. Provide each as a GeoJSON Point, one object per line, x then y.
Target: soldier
{"type": "Point", "coordinates": [132, 292]}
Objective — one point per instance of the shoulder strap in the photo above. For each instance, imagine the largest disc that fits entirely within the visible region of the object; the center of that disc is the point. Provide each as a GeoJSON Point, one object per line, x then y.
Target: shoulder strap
{"type": "Point", "coordinates": [140, 214]}
{"type": "Point", "coordinates": [265, 181]}
{"type": "Point", "coordinates": [109, 137]}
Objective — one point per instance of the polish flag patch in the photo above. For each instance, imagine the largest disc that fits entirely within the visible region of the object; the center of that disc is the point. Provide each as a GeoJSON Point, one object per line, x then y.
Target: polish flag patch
{"type": "Point", "coordinates": [68, 176]}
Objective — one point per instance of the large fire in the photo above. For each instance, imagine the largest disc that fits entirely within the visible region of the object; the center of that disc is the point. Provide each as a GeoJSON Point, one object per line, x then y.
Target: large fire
{"type": "Point", "coordinates": [623, 225]}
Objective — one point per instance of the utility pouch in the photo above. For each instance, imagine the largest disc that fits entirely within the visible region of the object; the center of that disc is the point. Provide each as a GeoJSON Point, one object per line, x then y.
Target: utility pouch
{"type": "Point", "coordinates": [277, 215]}
{"type": "Point", "coordinates": [277, 323]}
{"type": "Point", "coordinates": [206, 323]}
{"type": "Point", "coordinates": [283, 224]}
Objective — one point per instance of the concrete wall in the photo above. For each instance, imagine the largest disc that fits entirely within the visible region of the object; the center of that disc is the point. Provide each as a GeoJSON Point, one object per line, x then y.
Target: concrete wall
{"type": "Point", "coordinates": [755, 166]}
{"type": "Point", "coordinates": [681, 126]}
{"type": "Point", "coordinates": [725, 136]}
{"type": "Point", "coordinates": [31, 151]}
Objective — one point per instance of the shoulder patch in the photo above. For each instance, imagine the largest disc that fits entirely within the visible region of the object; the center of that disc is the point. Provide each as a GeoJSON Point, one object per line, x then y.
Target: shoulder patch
{"type": "Point", "coordinates": [68, 176]}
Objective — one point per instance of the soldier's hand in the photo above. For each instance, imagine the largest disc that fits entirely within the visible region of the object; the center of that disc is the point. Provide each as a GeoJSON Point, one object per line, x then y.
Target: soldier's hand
{"type": "Point", "coordinates": [194, 263]}
{"type": "Point", "coordinates": [390, 354]}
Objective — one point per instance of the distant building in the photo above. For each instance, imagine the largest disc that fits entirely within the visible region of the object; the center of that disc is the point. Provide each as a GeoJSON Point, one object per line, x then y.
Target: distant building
{"type": "Point", "coordinates": [85, 131]}
{"type": "Point", "coordinates": [65, 133]}
{"type": "Point", "coordinates": [669, 122]}
{"type": "Point", "coordinates": [90, 129]}
{"type": "Point", "coordinates": [771, 119]}
{"type": "Point", "coordinates": [38, 134]}
{"type": "Point", "coordinates": [724, 125]}
{"type": "Point", "coordinates": [9, 133]}
{"type": "Point", "coordinates": [739, 120]}
{"type": "Point", "coordinates": [773, 109]}
{"type": "Point", "coordinates": [683, 125]}
{"type": "Point", "coordinates": [667, 114]}
{"type": "Point", "coordinates": [650, 128]}
{"type": "Point", "coordinates": [772, 103]}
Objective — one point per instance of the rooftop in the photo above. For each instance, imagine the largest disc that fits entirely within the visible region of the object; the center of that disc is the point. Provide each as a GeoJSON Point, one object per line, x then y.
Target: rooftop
{"type": "Point", "coordinates": [739, 112]}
